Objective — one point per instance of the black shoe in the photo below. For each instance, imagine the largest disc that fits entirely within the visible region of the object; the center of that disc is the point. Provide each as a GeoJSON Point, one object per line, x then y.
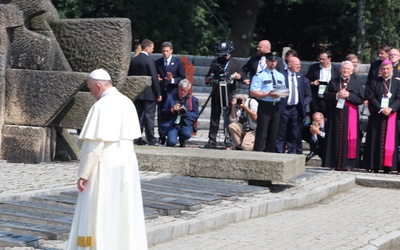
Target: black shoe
{"type": "Point", "coordinates": [310, 155]}
{"type": "Point", "coordinates": [210, 144]}
{"type": "Point", "coordinates": [182, 143]}
{"type": "Point", "coordinates": [139, 141]}
{"type": "Point", "coordinates": [163, 139]}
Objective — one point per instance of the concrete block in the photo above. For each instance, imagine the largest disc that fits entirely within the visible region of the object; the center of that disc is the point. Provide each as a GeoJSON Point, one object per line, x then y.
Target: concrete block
{"type": "Point", "coordinates": [275, 205]}
{"type": "Point", "coordinates": [374, 181]}
{"type": "Point", "coordinates": [180, 228]}
{"type": "Point", "coordinates": [221, 164]}
{"type": "Point", "coordinates": [134, 86]}
{"type": "Point", "coordinates": [382, 242]}
{"type": "Point", "coordinates": [90, 44]}
{"type": "Point", "coordinates": [346, 183]}
{"type": "Point", "coordinates": [395, 236]}
{"type": "Point", "coordinates": [289, 202]}
{"type": "Point", "coordinates": [35, 98]}
{"type": "Point", "coordinates": [243, 213]}
{"type": "Point", "coordinates": [27, 144]}
{"type": "Point", "coordinates": [162, 233]}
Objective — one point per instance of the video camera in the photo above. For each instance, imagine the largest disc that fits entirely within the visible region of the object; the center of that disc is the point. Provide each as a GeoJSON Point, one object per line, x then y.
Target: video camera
{"type": "Point", "coordinates": [222, 50]}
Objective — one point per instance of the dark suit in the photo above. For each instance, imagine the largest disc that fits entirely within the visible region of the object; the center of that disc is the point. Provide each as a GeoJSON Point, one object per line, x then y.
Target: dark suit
{"type": "Point", "coordinates": [143, 65]}
{"type": "Point", "coordinates": [250, 68]}
{"type": "Point", "coordinates": [373, 70]}
{"type": "Point", "coordinates": [317, 103]}
{"type": "Point", "coordinates": [216, 109]}
{"type": "Point", "coordinates": [175, 66]}
{"type": "Point", "coordinates": [292, 116]}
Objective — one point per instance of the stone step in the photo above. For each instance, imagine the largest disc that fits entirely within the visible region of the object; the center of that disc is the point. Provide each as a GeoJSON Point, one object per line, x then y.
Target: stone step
{"type": "Point", "coordinates": [54, 200]}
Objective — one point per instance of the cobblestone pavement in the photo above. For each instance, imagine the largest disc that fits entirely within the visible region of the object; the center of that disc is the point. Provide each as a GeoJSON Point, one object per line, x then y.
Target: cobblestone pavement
{"type": "Point", "coordinates": [348, 220]}
{"type": "Point", "coordinates": [357, 217]}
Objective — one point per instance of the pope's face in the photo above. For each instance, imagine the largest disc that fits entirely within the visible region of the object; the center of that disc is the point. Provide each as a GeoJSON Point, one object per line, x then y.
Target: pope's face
{"type": "Point", "coordinates": [95, 88]}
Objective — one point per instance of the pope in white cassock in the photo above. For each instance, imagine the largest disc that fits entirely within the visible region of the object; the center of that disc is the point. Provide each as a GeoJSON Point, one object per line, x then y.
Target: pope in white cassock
{"type": "Point", "coordinates": [109, 211]}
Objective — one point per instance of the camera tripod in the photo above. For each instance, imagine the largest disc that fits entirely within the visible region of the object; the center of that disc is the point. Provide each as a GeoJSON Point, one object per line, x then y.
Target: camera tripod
{"type": "Point", "coordinates": [221, 84]}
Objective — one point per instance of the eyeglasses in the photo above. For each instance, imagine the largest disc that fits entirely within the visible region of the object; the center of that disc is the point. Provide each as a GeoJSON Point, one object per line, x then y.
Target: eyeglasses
{"type": "Point", "coordinates": [393, 54]}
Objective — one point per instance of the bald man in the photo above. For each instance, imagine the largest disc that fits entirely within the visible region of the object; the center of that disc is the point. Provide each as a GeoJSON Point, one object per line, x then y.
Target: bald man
{"type": "Point", "coordinates": [257, 63]}
{"type": "Point", "coordinates": [293, 109]}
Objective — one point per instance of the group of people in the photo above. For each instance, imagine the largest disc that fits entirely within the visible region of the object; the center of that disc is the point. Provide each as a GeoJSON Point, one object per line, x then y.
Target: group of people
{"type": "Point", "coordinates": [169, 94]}
{"type": "Point", "coordinates": [271, 117]}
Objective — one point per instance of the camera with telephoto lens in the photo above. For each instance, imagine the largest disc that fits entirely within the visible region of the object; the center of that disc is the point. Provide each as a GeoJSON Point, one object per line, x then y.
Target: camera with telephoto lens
{"type": "Point", "coordinates": [239, 101]}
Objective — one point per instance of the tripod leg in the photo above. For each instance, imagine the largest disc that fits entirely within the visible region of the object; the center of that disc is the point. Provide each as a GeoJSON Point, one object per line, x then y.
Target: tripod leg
{"type": "Point", "coordinates": [224, 98]}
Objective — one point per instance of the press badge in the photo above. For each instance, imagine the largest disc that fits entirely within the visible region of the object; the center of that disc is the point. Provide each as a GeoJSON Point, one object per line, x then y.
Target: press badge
{"type": "Point", "coordinates": [385, 102]}
{"type": "Point", "coordinates": [340, 103]}
{"type": "Point", "coordinates": [321, 89]}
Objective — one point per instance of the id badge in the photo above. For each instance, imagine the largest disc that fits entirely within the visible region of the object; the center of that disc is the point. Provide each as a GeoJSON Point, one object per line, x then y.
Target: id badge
{"type": "Point", "coordinates": [321, 89]}
{"type": "Point", "coordinates": [384, 102]}
{"type": "Point", "coordinates": [340, 103]}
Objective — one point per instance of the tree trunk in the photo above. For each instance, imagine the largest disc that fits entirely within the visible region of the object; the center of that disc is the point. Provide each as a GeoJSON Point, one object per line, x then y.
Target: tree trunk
{"type": "Point", "coordinates": [360, 38]}
{"type": "Point", "coordinates": [243, 26]}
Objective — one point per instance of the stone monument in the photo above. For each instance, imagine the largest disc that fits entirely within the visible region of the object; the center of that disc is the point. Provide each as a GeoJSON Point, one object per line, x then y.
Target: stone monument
{"type": "Point", "coordinates": [44, 61]}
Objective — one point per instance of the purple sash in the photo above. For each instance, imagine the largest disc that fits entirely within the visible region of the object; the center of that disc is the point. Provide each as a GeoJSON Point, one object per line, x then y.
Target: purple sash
{"type": "Point", "coordinates": [352, 132]}
{"type": "Point", "coordinates": [389, 140]}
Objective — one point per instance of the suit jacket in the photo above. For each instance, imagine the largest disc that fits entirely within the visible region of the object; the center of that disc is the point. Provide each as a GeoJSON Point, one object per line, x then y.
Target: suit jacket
{"type": "Point", "coordinates": [178, 73]}
{"type": "Point", "coordinates": [373, 70]}
{"type": "Point", "coordinates": [143, 65]}
{"type": "Point", "coordinates": [251, 66]}
{"type": "Point", "coordinates": [233, 66]}
{"type": "Point", "coordinates": [312, 75]}
{"type": "Point", "coordinates": [303, 90]}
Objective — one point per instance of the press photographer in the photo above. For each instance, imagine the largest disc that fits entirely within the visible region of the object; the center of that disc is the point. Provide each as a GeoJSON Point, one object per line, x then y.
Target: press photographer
{"type": "Point", "coordinates": [179, 113]}
{"type": "Point", "coordinates": [243, 122]}
{"type": "Point", "coordinates": [227, 70]}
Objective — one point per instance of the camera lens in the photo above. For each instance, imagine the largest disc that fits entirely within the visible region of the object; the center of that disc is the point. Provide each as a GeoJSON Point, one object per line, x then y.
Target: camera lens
{"type": "Point", "coordinates": [182, 111]}
{"type": "Point", "coordinates": [239, 101]}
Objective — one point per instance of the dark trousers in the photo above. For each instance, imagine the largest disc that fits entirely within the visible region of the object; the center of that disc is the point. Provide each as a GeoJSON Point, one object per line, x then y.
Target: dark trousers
{"type": "Point", "coordinates": [147, 111]}
{"type": "Point", "coordinates": [268, 116]}
{"type": "Point", "coordinates": [289, 126]}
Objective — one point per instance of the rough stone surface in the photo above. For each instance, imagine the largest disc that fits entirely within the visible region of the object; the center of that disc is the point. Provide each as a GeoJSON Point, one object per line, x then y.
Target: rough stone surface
{"type": "Point", "coordinates": [28, 144]}
{"type": "Point", "coordinates": [35, 97]}
{"type": "Point", "coordinates": [372, 181]}
{"type": "Point", "coordinates": [74, 114]}
{"type": "Point", "coordinates": [89, 44]}
{"type": "Point", "coordinates": [134, 86]}
{"type": "Point", "coordinates": [226, 165]}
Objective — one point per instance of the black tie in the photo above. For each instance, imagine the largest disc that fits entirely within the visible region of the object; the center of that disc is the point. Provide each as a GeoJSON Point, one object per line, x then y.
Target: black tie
{"type": "Point", "coordinates": [273, 79]}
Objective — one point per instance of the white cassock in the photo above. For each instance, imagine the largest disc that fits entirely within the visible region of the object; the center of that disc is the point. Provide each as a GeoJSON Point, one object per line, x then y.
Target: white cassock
{"type": "Point", "coordinates": [109, 213]}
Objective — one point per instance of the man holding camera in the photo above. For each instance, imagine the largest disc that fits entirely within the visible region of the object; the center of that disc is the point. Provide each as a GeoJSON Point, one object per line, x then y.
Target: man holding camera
{"type": "Point", "coordinates": [243, 120]}
{"type": "Point", "coordinates": [179, 114]}
{"type": "Point", "coordinates": [224, 68]}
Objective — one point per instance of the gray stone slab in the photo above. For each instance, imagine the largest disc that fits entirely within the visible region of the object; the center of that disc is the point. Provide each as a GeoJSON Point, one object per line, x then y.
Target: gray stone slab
{"type": "Point", "coordinates": [226, 164]}
{"type": "Point", "coordinates": [45, 231]}
{"type": "Point", "coordinates": [240, 189]}
{"type": "Point", "coordinates": [186, 204]}
{"type": "Point", "coordinates": [8, 239]}
{"type": "Point", "coordinates": [206, 199]}
{"type": "Point", "coordinates": [54, 199]}
{"type": "Point", "coordinates": [188, 187]}
{"type": "Point", "coordinates": [163, 208]}
{"type": "Point", "coordinates": [15, 213]}
{"type": "Point", "coordinates": [39, 207]}
{"type": "Point", "coordinates": [375, 181]}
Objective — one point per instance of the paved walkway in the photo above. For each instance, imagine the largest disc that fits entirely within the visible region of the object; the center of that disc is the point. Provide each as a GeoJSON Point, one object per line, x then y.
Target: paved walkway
{"type": "Point", "coordinates": [321, 210]}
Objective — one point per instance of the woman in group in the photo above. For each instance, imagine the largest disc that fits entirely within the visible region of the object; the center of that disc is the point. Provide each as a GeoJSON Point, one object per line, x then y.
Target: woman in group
{"type": "Point", "coordinates": [342, 142]}
{"type": "Point", "coordinates": [383, 95]}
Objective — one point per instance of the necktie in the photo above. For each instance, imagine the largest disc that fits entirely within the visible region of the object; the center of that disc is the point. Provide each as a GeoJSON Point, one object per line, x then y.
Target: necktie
{"type": "Point", "coordinates": [273, 79]}
{"type": "Point", "coordinates": [293, 92]}
{"type": "Point", "coordinates": [165, 62]}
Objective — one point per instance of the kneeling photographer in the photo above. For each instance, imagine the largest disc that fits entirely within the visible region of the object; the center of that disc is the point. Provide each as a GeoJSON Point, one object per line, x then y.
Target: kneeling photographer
{"type": "Point", "coordinates": [243, 122]}
{"type": "Point", "coordinates": [179, 112]}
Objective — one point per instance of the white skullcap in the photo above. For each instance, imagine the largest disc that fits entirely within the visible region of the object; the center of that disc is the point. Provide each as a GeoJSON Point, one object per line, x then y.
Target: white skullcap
{"type": "Point", "coordinates": [100, 74]}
